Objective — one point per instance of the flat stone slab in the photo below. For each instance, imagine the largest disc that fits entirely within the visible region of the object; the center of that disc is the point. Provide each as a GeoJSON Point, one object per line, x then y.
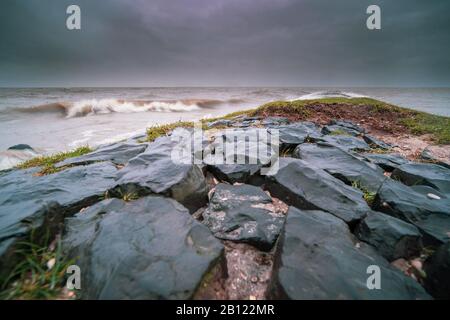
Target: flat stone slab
{"type": "Point", "coordinates": [341, 165]}
{"type": "Point", "coordinates": [154, 172]}
{"type": "Point", "coordinates": [305, 186]}
{"type": "Point", "coordinates": [118, 153]}
{"type": "Point", "coordinates": [376, 143]}
{"type": "Point", "coordinates": [387, 161]}
{"type": "Point", "coordinates": [393, 238]}
{"type": "Point", "coordinates": [30, 202]}
{"type": "Point", "coordinates": [243, 213]}
{"type": "Point", "coordinates": [275, 121]}
{"type": "Point", "coordinates": [411, 204]}
{"type": "Point", "coordinates": [150, 248]}
{"type": "Point", "coordinates": [339, 130]}
{"type": "Point", "coordinates": [346, 143]}
{"type": "Point", "coordinates": [347, 124]}
{"type": "Point", "coordinates": [296, 133]}
{"type": "Point", "coordinates": [233, 173]}
{"type": "Point", "coordinates": [427, 156]}
{"type": "Point", "coordinates": [428, 174]}
{"type": "Point", "coordinates": [318, 258]}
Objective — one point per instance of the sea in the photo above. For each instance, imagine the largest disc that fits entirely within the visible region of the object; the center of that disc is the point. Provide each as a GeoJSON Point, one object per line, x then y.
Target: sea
{"type": "Point", "coordinates": [60, 119]}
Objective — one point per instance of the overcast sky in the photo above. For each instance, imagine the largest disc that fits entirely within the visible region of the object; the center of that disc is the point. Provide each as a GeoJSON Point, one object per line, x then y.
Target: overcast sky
{"type": "Point", "coordinates": [224, 43]}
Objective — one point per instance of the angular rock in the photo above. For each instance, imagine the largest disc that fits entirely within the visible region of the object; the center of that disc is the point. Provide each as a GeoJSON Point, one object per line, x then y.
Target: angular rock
{"type": "Point", "coordinates": [243, 213]}
{"type": "Point", "coordinates": [154, 172]}
{"type": "Point", "coordinates": [347, 124]}
{"type": "Point", "coordinates": [338, 130]}
{"type": "Point", "coordinates": [386, 161]}
{"type": "Point", "coordinates": [150, 248]}
{"type": "Point", "coordinates": [118, 153]}
{"type": "Point", "coordinates": [346, 143]}
{"type": "Point", "coordinates": [437, 269]}
{"type": "Point", "coordinates": [296, 133]}
{"type": "Point", "coordinates": [41, 202]}
{"type": "Point", "coordinates": [21, 147]}
{"type": "Point", "coordinates": [427, 174]}
{"type": "Point", "coordinates": [247, 156]}
{"type": "Point", "coordinates": [412, 205]}
{"type": "Point", "coordinates": [304, 186]}
{"type": "Point", "coordinates": [376, 143]}
{"type": "Point", "coordinates": [392, 237]}
{"type": "Point", "coordinates": [318, 258]}
{"type": "Point", "coordinates": [341, 165]}
{"type": "Point", "coordinates": [275, 121]}
{"type": "Point", "coordinates": [233, 173]}
{"type": "Point", "coordinates": [427, 156]}
{"type": "Point", "coordinates": [220, 123]}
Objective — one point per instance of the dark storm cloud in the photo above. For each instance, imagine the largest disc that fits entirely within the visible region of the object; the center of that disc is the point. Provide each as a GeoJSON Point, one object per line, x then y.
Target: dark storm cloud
{"type": "Point", "coordinates": [224, 42]}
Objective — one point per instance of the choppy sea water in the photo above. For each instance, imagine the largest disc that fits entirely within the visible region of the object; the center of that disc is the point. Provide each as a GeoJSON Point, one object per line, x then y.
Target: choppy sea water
{"type": "Point", "coordinates": [57, 119]}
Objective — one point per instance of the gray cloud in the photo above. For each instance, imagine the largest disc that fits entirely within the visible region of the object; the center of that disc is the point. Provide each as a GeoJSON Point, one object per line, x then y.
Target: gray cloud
{"type": "Point", "coordinates": [224, 42]}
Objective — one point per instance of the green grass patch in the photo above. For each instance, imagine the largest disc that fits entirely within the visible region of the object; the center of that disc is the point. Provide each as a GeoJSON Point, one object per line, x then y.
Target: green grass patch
{"type": "Point", "coordinates": [40, 274]}
{"type": "Point", "coordinates": [161, 130]}
{"type": "Point", "coordinates": [424, 123]}
{"type": "Point", "coordinates": [368, 196]}
{"type": "Point", "coordinates": [298, 107]}
{"type": "Point", "coordinates": [48, 162]}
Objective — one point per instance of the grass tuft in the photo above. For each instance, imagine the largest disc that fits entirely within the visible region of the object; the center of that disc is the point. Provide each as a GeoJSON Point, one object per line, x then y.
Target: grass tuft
{"type": "Point", "coordinates": [48, 162]}
{"type": "Point", "coordinates": [368, 196]}
{"type": "Point", "coordinates": [161, 130]}
{"type": "Point", "coordinates": [41, 274]}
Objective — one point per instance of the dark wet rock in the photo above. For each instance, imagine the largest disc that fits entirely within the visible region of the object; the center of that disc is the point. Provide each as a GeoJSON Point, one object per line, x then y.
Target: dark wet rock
{"type": "Point", "coordinates": [318, 258]}
{"type": "Point", "coordinates": [150, 248]}
{"type": "Point", "coordinates": [427, 156]}
{"type": "Point", "coordinates": [296, 133]}
{"type": "Point", "coordinates": [347, 143]}
{"type": "Point", "coordinates": [220, 123]}
{"type": "Point", "coordinates": [21, 147]}
{"type": "Point", "coordinates": [137, 138]}
{"type": "Point", "coordinates": [428, 174]}
{"type": "Point", "coordinates": [255, 118]}
{"type": "Point", "coordinates": [118, 153]}
{"type": "Point", "coordinates": [412, 205]}
{"type": "Point", "coordinates": [437, 269]}
{"type": "Point", "coordinates": [275, 121]}
{"type": "Point", "coordinates": [376, 143]}
{"type": "Point", "coordinates": [243, 213]}
{"type": "Point", "coordinates": [347, 124]}
{"type": "Point", "coordinates": [31, 202]}
{"type": "Point", "coordinates": [388, 161]}
{"type": "Point", "coordinates": [338, 130]}
{"type": "Point", "coordinates": [341, 165]}
{"type": "Point", "coordinates": [392, 237]}
{"type": "Point", "coordinates": [304, 186]}
{"type": "Point", "coordinates": [250, 149]}
{"type": "Point", "coordinates": [234, 172]}
{"type": "Point", "coordinates": [154, 172]}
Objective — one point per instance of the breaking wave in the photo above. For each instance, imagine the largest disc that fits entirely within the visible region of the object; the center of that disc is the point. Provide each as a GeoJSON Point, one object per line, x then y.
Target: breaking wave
{"type": "Point", "coordinates": [89, 107]}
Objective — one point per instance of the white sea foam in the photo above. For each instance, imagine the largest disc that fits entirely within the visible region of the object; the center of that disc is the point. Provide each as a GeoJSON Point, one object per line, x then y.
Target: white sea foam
{"type": "Point", "coordinates": [102, 106]}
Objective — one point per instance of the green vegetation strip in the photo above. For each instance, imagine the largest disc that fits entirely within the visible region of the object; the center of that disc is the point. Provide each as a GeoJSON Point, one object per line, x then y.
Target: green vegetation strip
{"type": "Point", "coordinates": [48, 162]}
{"type": "Point", "coordinates": [40, 274]}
